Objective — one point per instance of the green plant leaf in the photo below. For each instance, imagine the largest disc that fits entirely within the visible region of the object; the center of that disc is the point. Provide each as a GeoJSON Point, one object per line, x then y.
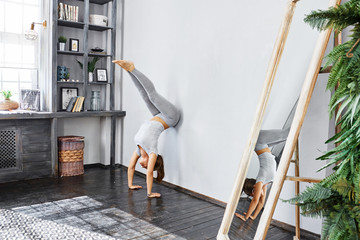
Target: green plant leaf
{"type": "Point", "coordinates": [6, 93]}
{"type": "Point", "coordinates": [355, 106]}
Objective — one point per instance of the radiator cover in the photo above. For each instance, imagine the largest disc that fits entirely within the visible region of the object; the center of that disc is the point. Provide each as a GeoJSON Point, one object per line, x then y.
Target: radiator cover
{"type": "Point", "coordinates": [9, 149]}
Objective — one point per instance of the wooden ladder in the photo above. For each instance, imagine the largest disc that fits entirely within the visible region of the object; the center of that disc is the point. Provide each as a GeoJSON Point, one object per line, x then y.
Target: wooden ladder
{"type": "Point", "coordinates": [297, 179]}
{"type": "Point", "coordinates": [291, 143]}
{"type": "Point", "coordinates": [311, 77]}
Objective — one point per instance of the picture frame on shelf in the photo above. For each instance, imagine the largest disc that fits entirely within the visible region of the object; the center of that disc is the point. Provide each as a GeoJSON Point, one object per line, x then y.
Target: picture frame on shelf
{"type": "Point", "coordinates": [30, 99]}
{"type": "Point", "coordinates": [66, 94]}
{"type": "Point", "coordinates": [74, 45]}
{"type": "Point", "coordinates": [101, 75]}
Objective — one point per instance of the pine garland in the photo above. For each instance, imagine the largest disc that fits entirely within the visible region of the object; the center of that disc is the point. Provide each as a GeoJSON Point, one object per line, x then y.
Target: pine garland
{"type": "Point", "coordinates": [337, 197]}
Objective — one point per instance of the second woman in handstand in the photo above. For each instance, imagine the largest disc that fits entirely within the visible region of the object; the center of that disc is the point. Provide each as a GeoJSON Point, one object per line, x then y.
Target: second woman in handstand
{"type": "Point", "coordinates": [165, 115]}
{"type": "Point", "coordinates": [256, 188]}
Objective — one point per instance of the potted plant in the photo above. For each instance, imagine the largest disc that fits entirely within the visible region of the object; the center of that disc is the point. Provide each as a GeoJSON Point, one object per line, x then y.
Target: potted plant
{"type": "Point", "coordinates": [62, 42]}
{"type": "Point", "coordinates": [91, 67]}
{"type": "Point", "coordinates": [337, 197]}
{"type": "Point", "coordinates": [8, 104]}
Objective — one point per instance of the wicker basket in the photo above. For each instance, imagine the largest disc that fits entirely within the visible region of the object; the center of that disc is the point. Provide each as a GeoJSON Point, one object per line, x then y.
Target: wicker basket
{"type": "Point", "coordinates": [71, 155]}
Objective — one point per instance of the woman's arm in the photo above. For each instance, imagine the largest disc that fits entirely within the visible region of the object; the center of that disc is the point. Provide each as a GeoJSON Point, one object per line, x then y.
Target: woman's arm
{"type": "Point", "coordinates": [150, 175]}
{"type": "Point", "coordinates": [131, 171]}
{"type": "Point", "coordinates": [260, 204]}
{"type": "Point", "coordinates": [254, 202]}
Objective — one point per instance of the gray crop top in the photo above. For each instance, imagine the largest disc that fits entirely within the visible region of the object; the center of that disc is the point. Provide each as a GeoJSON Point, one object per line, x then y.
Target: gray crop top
{"type": "Point", "coordinates": [147, 136]}
{"type": "Point", "coordinates": [267, 168]}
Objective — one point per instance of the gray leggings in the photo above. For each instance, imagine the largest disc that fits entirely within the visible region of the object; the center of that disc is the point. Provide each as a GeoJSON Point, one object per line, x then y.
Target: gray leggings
{"type": "Point", "coordinates": [269, 138]}
{"type": "Point", "coordinates": [157, 104]}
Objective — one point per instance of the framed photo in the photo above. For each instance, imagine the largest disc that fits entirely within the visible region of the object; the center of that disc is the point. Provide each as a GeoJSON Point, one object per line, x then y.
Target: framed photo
{"type": "Point", "coordinates": [101, 75]}
{"type": "Point", "coordinates": [66, 94]}
{"type": "Point", "coordinates": [30, 99]}
{"type": "Point", "coordinates": [74, 45]}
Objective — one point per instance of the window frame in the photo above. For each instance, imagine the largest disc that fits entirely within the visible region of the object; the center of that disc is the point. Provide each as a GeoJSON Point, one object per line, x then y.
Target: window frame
{"type": "Point", "coordinates": [43, 55]}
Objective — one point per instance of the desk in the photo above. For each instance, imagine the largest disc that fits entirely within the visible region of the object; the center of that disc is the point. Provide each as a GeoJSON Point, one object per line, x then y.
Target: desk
{"type": "Point", "coordinates": [34, 135]}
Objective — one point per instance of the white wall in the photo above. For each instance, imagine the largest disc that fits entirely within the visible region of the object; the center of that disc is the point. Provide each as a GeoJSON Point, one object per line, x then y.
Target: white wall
{"type": "Point", "coordinates": [96, 133]}
{"type": "Point", "coordinates": [209, 58]}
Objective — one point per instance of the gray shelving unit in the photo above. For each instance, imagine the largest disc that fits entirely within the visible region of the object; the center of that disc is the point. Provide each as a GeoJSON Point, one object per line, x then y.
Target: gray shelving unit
{"type": "Point", "coordinates": [85, 32]}
{"type": "Point", "coordinates": [81, 31]}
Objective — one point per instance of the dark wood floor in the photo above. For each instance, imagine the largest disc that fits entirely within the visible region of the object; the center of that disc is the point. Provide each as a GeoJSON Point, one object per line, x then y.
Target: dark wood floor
{"type": "Point", "coordinates": [175, 212]}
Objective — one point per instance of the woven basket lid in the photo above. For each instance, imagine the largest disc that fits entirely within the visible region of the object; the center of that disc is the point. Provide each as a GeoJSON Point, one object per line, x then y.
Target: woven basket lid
{"type": "Point", "coordinates": [71, 138]}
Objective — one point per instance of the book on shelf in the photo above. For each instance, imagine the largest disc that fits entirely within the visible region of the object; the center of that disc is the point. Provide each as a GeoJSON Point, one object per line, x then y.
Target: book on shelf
{"type": "Point", "coordinates": [68, 12]}
{"type": "Point", "coordinates": [77, 105]}
{"type": "Point", "coordinates": [61, 13]}
{"type": "Point", "coordinates": [71, 104]}
{"type": "Point", "coordinates": [80, 104]}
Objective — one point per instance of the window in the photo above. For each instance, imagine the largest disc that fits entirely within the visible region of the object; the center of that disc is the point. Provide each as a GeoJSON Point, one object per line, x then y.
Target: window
{"type": "Point", "coordinates": [19, 58]}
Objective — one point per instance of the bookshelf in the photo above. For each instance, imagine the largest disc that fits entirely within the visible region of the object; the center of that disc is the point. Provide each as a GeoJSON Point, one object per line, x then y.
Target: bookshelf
{"type": "Point", "coordinates": [89, 36]}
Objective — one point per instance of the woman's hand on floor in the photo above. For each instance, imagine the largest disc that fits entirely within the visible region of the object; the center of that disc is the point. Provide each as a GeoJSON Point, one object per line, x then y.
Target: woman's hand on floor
{"type": "Point", "coordinates": [242, 217]}
{"type": "Point", "coordinates": [135, 187]}
{"type": "Point", "coordinates": [154, 195]}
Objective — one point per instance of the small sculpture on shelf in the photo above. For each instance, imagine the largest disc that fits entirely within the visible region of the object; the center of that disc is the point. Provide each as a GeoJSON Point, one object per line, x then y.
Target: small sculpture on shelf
{"type": "Point", "coordinates": [97, 50]}
{"type": "Point", "coordinates": [62, 43]}
{"type": "Point", "coordinates": [62, 73]}
{"type": "Point", "coordinates": [8, 104]}
{"type": "Point", "coordinates": [91, 67]}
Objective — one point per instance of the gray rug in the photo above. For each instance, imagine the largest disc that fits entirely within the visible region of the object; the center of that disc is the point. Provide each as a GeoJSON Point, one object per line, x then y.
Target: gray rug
{"type": "Point", "coordinates": [20, 226]}
{"type": "Point", "coordinates": [76, 218]}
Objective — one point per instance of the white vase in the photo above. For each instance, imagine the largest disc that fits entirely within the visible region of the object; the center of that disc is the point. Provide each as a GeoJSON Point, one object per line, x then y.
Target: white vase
{"type": "Point", "coordinates": [91, 77]}
{"type": "Point", "coordinates": [61, 46]}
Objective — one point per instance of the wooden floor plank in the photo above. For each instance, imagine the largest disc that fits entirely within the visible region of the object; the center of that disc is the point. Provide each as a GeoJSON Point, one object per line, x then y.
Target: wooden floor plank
{"type": "Point", "coordinates": [205, 230]}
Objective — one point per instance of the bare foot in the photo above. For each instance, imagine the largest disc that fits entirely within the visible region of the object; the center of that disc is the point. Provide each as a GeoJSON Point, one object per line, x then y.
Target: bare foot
{"type": "Point", "coordinates": [240, 216]}
{"type": "Point", "coordinates": [127, 65]}
{"type": "Point", "coordinates": [135, 187]}
{"type": "Point", "coordinates": [154, 195]}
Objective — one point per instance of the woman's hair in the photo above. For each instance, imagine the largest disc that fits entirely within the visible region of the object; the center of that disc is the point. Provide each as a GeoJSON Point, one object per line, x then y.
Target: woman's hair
{"type": "Point", "coordinates": [159, 167]}
{"type": "Point", "coordinates": [249, 186]}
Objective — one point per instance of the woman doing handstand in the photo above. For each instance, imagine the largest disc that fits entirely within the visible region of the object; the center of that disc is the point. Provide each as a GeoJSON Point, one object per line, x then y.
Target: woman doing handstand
{"type": "Point", "coordinates": [165, 115]}
{"type": "Point", "coordinates": [256, 188]}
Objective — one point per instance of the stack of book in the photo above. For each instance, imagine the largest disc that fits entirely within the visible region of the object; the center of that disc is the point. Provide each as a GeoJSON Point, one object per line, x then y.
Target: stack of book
{"type": "Point", "coordinates": [75, 104]}
{"type": "Point", "coordinates": [68, 12]}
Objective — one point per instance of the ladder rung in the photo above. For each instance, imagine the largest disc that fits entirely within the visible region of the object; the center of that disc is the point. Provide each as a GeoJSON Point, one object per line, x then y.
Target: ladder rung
{"type": "Point", "coordinates": [303, 179]}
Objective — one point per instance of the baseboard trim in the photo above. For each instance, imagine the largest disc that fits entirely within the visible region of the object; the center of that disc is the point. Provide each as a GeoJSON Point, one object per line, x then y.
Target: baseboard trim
{"type": "Point", "coordinates": [183, 190]}
{"type": "Point", "coordinates": [290, 228]}
{"type": "Point", "coordinates": [96, 165]}
{"type": "Point", "coordinates": [100, 165]}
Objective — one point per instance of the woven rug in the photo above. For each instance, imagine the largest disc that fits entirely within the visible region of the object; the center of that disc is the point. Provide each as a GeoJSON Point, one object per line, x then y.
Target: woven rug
{"type": "Point", "coordinates": [20, 226]}
{"type": "Point", "coordinates": [76, 218]}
